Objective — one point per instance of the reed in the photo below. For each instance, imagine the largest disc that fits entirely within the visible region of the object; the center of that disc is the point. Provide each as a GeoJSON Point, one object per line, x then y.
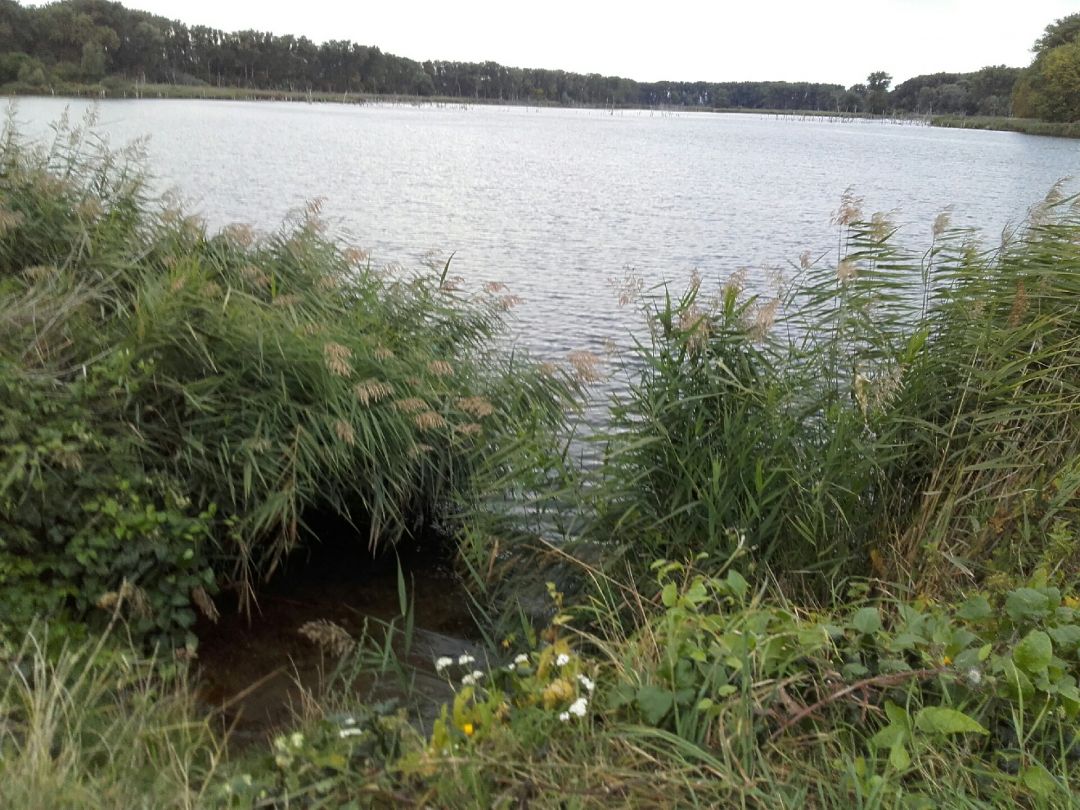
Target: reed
{"type": "Point", "coordinates": [890, 413]}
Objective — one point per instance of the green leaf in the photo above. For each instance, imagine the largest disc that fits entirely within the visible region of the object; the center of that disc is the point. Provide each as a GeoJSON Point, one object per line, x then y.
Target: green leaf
{"type": "Point", "coordinates": [897, 715]}
{"type": "Point", "coordinates": [1067, 636]}
{"type": "Point", "coordinates": [975, 609]}
{"type": "Point", "coordinates": [899, 757]}
{"type": "Point", "coordinates": [669, 595]}
{"type": "Point", "coordinates": [654, 703]}
{"type": "Point", "coordinates": [940, 720]}
{"type": "Point", "coordinates": [1027, 603]}
{"type": "Point", "coordinates": [1034, 652]}
{"type": "Point", "coordinates": [867, 620]}
{"type": "Point", "coordinates": [1039, 780]}
{"type": "Point", "coordinates": [890, 736]}
{"type": "Point", "coordinates": [737, 584]}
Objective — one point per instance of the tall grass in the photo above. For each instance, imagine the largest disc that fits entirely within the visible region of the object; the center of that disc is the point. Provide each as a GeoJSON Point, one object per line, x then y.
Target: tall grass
{"type": "Point", "coordinates": [87, 725]}
{"type": "Point", "coordinates": [885, 413]}
{"type": "Point", "coordinates": [243, 381]}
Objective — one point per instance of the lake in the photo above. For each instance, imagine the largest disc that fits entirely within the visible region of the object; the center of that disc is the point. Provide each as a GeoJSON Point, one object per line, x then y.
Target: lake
{"type": "Point", "coordinates": [556, 203]}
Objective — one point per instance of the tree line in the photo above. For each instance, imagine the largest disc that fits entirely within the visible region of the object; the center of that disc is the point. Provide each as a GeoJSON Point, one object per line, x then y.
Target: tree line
{"type": "Point", "coordinates": [101, 42]}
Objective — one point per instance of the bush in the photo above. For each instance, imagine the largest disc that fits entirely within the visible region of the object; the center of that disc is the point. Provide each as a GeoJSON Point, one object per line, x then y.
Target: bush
{"type": "Point", "coordinates": [889, 415]}
{"type": "Point", "coordinates": [197, 398]}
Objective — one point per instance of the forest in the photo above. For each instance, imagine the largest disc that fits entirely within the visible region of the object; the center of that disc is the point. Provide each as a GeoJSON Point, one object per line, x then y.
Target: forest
{"type": "Point", "coordinates": [98, 43]}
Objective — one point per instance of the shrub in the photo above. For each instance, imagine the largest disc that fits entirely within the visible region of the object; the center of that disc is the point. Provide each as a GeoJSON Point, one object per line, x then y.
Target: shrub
{"type": "Point", "coordinates": [199, 397]}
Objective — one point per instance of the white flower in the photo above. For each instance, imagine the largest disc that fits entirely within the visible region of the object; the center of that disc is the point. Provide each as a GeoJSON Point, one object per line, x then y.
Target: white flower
{"type": "Point", "coordinates": [974, 677]}
{"type": "Point", "coordinates": [443, 662]}
{"type": "Point", "coordinates": [511, 667]}
{"type": "Point", "coordinates": [349, 721]}
{"type": "Point", "coordinates": [579, 706]}
{"type": "Point", "coordinates": [477, 674]}
{"type": "Point", "coordinates": [562, 660]}
{"type": "Point", "coordinates": [350, 732]}
{"type": "Point", "coordinates": [464, 659]}
{"type": "Point", "coordinates": [296, 740]}
{"type": "Point", "coordinates": [522, 658]}
{"type": "Point", "coordinates": [586, 682]}
{"type": "Point", "coordinates": [468, 680]}
{"type": "Point", "coordinates": [564, 716]}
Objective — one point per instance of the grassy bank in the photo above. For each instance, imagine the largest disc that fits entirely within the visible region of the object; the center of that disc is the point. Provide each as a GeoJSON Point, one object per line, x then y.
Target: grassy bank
{"type": "Point", "coordinates": [832, 538]}
{"type": "Point", "coordinates": [1027, 126]}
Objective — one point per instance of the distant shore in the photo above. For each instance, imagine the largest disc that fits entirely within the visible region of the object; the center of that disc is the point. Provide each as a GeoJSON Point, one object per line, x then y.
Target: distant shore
{"type": "Point", "coordinates": [1027, 126]}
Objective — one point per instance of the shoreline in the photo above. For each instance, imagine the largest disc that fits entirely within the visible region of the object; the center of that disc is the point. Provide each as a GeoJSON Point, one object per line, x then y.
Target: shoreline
{"type": "Point", "coordinates": [1025, 126]}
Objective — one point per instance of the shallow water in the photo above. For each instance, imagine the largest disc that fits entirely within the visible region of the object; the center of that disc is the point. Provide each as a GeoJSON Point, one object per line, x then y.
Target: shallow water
{"type": "Point", "coordinates": [255, 672]}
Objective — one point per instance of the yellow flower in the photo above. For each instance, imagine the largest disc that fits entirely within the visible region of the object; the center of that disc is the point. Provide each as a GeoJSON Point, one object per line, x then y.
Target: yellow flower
{"type": "Point", "coordinates": [946, 661]}
{"type": "Point", "coordinates": [468, 729]}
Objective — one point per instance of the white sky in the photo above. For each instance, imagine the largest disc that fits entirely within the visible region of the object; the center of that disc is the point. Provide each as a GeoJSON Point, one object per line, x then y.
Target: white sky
{"type": "Point", "coordinates": [798, 40]}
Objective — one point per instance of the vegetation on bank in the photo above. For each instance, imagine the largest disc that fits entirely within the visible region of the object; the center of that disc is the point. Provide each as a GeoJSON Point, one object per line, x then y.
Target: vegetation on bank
{"type": "Point", "coordinates": [834, 523]}
{"type": "Point", "coordinates": [178, 406]}
{"type": "Point", "coordinates": [1025, 126]}
{"type": "Point", "coordinates": [94, 46]}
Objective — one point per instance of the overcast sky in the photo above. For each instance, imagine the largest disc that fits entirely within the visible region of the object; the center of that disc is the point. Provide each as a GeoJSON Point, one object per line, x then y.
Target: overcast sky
{"type": "Point", "coordinates": [811, 40]}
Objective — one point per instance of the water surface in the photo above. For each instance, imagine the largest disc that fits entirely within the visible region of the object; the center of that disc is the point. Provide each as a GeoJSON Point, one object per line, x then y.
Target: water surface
{"type": "Point", "coordinates": [556, 203]}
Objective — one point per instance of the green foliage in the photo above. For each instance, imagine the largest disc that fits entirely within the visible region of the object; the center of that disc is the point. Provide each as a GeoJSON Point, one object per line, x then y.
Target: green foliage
{"type": "Point", "coordinates": [98, 725]}
{"type": "Point", "coordinates": [177, 405]}
{"type": "Point", "coordinates": [851, 421]}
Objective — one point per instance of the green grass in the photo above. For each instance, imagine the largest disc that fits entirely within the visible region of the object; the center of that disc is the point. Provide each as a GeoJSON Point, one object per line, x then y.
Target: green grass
{"type": "Point", "coordinates": [832, 535]}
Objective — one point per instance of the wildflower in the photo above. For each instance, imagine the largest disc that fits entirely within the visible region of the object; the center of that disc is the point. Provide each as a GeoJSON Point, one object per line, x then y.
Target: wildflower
{"type": "Point", "coordinates": [350, 732]}
{"type": "Point", "coordinates": [296, 739]}
{"type": "Point", "coordinates": [472, 678]}
{"type": "Point", "coordinates": [586, 682]}
{"type": "Point", "coordinates": [521, 658]}
{"type": "Point", "coordinates": [464, 659]}
{"type": "Point", "coordinates": [562, 660]}
{"type": "Point", "coordinates": [443, 662]}
{"type": "Point", "coordinates": [974, 677]}
{"type": "Point", "coordinates": [946, 660]}
{"type": "Point", "coordinates": [579, 707]}
{"type": "Point", "coordinates": [468, 729]}
{"type": "Point", "coordinates": [564, 716]}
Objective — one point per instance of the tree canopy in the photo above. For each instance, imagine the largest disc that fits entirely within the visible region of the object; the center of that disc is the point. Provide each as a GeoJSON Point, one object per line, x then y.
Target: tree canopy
{"type": "Point", "coordinates": [102, 42]}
